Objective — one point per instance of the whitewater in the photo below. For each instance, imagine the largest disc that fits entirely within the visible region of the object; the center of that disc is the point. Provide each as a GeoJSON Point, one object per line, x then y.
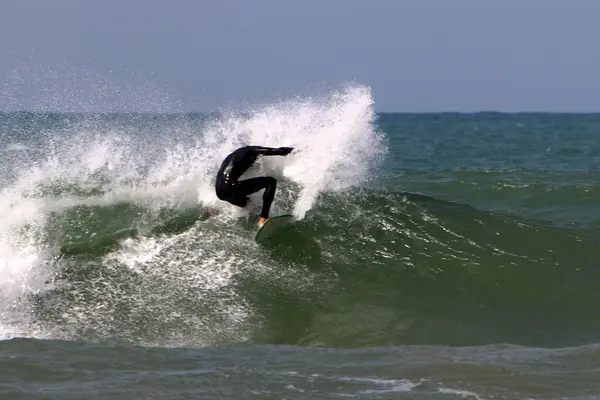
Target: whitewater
{"type": "Point", "coordinates": [59, 177]}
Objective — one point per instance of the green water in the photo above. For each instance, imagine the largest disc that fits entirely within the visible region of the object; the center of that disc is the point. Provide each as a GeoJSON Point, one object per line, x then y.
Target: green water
{"type": "Point", "coordinates": [463, 264]}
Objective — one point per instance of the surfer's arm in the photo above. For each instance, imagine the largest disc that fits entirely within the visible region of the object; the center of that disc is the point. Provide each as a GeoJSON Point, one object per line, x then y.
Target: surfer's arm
{"type": "Point", "coordinates": [270, 151]}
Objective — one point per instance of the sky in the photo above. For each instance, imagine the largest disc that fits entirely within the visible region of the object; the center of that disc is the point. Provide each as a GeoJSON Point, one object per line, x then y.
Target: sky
{"type": "Point", "coordinates": [201, 55]}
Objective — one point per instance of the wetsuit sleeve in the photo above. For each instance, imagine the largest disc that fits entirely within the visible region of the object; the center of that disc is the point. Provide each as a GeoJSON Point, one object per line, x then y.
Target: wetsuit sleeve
{"type": "Point", "coordinates": [270, 151]}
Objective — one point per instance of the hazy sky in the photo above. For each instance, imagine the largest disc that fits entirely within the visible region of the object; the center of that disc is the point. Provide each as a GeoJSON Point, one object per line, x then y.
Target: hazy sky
{"type": "Point", "coordinates": [461, 55]}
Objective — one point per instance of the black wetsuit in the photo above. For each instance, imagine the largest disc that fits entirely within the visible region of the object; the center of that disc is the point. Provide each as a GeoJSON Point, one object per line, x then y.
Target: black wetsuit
{"type": "Point", "coordinates": [236, 192]}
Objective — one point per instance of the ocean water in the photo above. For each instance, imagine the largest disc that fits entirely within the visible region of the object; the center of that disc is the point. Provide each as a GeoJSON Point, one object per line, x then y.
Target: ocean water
{"type": "Point", "coordinates": [435, 256]}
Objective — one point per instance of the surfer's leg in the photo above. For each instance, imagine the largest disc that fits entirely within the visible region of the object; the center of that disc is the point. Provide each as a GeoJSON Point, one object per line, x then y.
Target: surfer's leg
{"type": "Point", "coordinates": [238, 200]}
{"type": "Point", "coordinates": [229, 193]}
{"type": "Point", "coordinates": [252, 185]}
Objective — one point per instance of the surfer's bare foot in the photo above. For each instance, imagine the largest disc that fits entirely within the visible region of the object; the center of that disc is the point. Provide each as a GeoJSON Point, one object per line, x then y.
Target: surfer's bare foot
{"type": "Point", "coordinates": [261, 221]}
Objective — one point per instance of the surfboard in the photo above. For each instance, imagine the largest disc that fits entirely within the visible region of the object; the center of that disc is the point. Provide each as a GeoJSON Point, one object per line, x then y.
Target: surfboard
{"type": "Point", "coordinates": [272, 225]}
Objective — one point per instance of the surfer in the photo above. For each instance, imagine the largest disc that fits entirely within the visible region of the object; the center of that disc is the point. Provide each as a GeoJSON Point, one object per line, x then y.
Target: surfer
{"type": "Point", "coordinates": [236, 192]}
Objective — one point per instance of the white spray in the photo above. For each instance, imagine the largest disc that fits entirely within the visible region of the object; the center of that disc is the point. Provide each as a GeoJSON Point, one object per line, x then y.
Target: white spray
{"type": "Point", "coordinates": [336, 147]}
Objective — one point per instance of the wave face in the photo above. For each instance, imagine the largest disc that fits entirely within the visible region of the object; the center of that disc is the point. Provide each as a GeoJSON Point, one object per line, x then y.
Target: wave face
{"type": "Point", "coordinates": [413, 229]}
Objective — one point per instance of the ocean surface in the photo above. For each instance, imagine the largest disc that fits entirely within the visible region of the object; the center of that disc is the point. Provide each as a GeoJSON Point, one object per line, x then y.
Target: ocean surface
{"type": "Point", "coordinates": [435, 256]}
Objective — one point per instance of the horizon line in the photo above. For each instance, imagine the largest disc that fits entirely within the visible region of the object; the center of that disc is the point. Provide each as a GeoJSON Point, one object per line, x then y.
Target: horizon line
{"type": "Point", "coordinates": [24, 111]}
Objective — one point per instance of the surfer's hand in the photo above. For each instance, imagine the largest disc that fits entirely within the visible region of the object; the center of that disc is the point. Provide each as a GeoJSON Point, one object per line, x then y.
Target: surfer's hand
{"type": "Point", "coordinates": [286, 150]}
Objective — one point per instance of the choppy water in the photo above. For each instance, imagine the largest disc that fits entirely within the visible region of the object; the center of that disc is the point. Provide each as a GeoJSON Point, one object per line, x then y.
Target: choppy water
{"type": "Point", "coordinates": [437, 255]}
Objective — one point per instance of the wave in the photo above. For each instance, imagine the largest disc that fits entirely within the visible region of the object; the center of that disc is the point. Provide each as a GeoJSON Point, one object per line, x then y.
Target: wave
{"type": "Point", "coordinates": [364, 268]}
{"type": "Point", "coordinates": [565, 198]}
{"type": "Point", "coordinates": [103, 237]}
{"type": "Point", "coordinates": [97, 180]}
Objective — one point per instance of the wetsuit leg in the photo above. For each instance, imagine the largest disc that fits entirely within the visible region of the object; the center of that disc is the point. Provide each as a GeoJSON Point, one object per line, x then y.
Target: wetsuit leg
{"type": "Point", "coordinates": [246, 187]}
